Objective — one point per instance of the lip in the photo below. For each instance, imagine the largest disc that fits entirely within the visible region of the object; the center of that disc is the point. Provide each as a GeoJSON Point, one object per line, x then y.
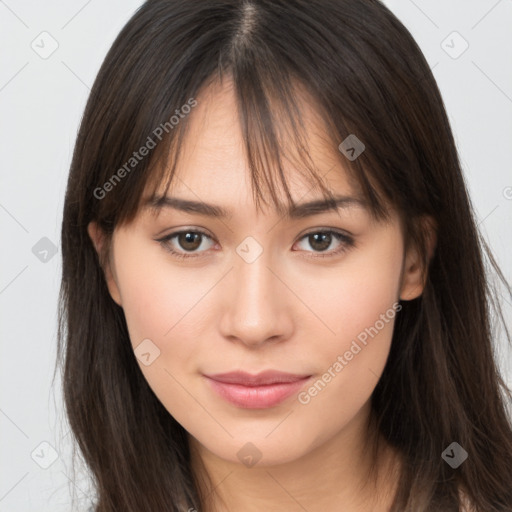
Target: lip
{"type": "Point", "coordinates": [260, 391]}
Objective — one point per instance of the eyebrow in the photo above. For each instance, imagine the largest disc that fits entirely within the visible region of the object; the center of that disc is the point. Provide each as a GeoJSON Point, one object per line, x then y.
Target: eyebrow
{"type": "Point", "coordinates": [299, 211]}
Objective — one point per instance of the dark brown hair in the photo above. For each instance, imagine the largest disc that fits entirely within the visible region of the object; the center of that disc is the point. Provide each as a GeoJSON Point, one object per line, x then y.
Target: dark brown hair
{"type": "Point", "coordinates": [366, 76]}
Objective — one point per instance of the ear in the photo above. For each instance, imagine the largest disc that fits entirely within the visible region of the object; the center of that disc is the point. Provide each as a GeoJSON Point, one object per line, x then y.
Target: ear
{"type": "Point", "coordinates": [414, 272]}
{"type": "Point", "coordinates": [98, 238]}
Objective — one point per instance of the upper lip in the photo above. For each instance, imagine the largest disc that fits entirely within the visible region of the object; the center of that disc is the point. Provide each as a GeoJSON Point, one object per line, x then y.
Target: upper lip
{"type": "Point", "coordinates": [260, 379]}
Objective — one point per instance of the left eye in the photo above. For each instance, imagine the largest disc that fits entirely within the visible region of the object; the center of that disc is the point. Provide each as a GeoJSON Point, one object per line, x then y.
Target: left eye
{"type": "Point", "coordinates": [320, 241]}
{"type": "Point", "coordinates": [189, 241]}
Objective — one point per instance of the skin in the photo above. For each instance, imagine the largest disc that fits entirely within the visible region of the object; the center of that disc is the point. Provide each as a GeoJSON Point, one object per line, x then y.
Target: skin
{"type": "Point", "coordinates": [289, 310]}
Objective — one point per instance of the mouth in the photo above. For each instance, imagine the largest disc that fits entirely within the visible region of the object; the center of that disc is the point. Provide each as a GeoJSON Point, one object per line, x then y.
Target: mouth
{"type": "Point", "coordinates": [260, 391]}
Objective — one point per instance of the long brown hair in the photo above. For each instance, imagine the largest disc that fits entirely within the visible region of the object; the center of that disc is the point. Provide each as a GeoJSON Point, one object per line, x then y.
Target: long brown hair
{"type": "Point", "coordinates": [366, 76]}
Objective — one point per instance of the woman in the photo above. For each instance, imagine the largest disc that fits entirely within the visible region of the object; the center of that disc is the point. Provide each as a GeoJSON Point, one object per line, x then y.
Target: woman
{"type": "Point", "coordinates": [274, 294]}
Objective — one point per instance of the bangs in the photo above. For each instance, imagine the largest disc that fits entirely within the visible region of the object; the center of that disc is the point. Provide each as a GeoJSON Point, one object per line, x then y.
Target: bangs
{"type": "Point", "coordinates": [270, 89]}
{"type": "Point", "coordinates": [274, 131]}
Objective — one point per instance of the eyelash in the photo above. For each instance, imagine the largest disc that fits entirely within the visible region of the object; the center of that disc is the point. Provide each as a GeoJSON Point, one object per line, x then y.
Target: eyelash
{"type": "Point", "coordinates": [347, 243]}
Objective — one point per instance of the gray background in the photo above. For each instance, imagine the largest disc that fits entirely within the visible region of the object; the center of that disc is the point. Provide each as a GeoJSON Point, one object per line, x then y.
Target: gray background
{"type": "Point", "coordinates": [42, 100]}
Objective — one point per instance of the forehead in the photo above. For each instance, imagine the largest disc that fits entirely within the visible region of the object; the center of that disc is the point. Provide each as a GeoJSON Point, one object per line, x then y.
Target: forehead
{"type": "Point", "coordinates": [213, 165]}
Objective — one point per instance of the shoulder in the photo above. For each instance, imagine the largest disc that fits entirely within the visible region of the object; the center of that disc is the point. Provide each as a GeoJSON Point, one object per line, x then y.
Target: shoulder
{"type": "Point", "coordinates": [466, 505]}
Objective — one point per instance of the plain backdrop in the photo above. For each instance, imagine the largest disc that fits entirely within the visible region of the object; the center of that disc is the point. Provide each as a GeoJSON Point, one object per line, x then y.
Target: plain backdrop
{"type": "Point", "coordinates": [468, 44]}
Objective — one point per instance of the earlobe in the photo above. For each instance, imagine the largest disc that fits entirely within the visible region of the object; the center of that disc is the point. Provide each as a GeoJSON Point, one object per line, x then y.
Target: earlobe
{"type": "Point", "coordinates": [98, 238]}
{"type": "Point", "coordinates": [414, 274]}
{"type": "Point", "coordinates": [412, 277]}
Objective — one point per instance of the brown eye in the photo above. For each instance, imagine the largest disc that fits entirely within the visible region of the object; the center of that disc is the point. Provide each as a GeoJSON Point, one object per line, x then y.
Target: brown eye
{"type": "Point", "coordinates": [320, 241]}
{"type": "Point", "coordinates": [189, 240]}
{"type": "Point", "coordinates": [186, 243]}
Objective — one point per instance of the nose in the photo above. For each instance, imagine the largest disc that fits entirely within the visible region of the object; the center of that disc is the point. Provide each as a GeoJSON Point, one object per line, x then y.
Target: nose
{"type": "Point", "coordinates": [256, 309]}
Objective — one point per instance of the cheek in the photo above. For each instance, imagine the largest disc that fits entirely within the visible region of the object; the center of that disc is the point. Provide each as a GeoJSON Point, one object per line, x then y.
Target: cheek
{"type": "Point", "coordinates": [357, 303]}
{"type": "Point", "coordinates": [370, 288]}
{"type": "Point", "coordinates": [350, 296]}
{"type": "Point", "coordinates": [159, 298]}
{"type": "Point", "coordinates": [160, 303]}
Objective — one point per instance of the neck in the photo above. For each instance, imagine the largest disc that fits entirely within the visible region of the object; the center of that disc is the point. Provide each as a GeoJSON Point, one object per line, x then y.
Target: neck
{"type": "Point", "coordinates": [354, 469]}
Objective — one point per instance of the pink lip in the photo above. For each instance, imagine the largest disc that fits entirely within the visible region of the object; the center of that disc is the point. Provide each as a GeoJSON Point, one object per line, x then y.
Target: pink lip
{"type": "Point", "coordinates": [260, 391]}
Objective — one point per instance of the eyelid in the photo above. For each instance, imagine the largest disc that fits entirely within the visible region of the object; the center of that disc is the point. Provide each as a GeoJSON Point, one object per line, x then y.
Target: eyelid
{"type": "Point", "coordinates": [324, 229]}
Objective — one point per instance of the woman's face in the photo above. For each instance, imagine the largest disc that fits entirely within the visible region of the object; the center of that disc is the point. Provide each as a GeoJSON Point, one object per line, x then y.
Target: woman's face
{"type": "Point", "coordinates": [259, 292]}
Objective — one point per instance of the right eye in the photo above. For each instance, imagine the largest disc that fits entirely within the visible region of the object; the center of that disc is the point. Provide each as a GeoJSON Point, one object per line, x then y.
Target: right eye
{"type": "Point", "coordinates": [188, 239]}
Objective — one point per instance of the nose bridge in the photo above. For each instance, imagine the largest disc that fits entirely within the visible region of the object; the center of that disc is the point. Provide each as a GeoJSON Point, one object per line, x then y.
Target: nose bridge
{"type": "Point", "coordinates": [256, 309]}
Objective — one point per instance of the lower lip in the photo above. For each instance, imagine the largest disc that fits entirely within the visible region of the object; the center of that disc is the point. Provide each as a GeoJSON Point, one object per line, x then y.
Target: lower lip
{"type": "Point", "coordinates": [256, 397]}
